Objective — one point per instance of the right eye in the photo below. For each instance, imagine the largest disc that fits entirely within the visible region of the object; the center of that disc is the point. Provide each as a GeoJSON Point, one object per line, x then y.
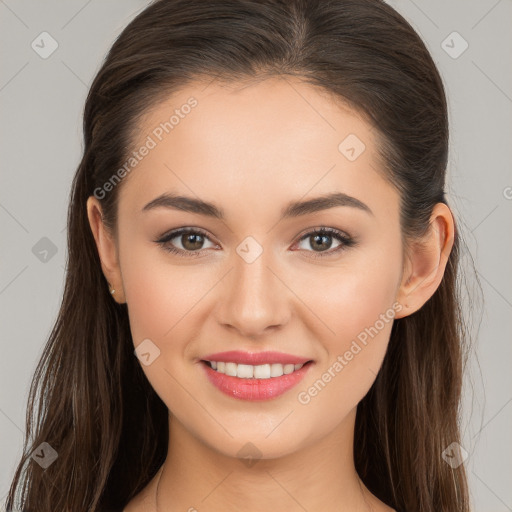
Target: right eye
{"type": "Point", "coordinates": [193, 237]}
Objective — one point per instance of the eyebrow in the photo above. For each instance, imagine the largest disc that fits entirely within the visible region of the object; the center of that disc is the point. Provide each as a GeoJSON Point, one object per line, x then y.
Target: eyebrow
{"type": "Point", "coordinates": [293, 209]}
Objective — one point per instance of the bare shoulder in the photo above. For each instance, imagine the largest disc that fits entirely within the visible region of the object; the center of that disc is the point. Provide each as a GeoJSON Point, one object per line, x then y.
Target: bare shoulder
{"type": "Point", "coordinates": [143, 501]}
{"type": "Point", "coordinates": [385, 508]}
{"type": "Point", "coordinates": [379, 506]}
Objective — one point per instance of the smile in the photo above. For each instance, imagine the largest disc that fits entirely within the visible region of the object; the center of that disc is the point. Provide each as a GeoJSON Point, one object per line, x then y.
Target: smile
{"type": "Point", "coordinates": [249, 371]}
{"type": "Point", "coordinates": [254, 382]}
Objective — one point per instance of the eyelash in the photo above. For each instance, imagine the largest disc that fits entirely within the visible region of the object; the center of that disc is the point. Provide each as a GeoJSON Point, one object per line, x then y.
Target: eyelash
{"type": "Point", "coordinates": [346, 241]}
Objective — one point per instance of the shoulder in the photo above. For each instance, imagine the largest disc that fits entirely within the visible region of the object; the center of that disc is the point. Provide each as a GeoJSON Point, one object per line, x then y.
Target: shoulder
{"type": "Point", "coordinates": [141, 502]}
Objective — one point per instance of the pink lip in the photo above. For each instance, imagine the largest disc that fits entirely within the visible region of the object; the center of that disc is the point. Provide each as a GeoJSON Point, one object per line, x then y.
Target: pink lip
{"type": "Point", "coordinates": [255, 358]}
{"type": "Point", "coordinates": [254, 389]}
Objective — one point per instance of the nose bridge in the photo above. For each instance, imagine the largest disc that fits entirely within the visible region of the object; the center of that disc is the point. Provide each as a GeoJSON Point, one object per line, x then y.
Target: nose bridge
{"type": "Point", "coordinates": [253, 299]}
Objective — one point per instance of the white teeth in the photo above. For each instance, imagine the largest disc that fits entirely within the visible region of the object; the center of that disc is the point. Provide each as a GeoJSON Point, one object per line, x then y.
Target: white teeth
{"type": "Point", "coordinates": [248, 371]}
{"type": "Point", "coordinates": [244, 371]}
{"type": "Point", "coordinates": [230, 369]}
{"type": "Point", "coordinates": [276, 370]}
{"type": "Point", "coordinates": [288, 368]}
{"type": "Point", "coordinates": [262, 371]}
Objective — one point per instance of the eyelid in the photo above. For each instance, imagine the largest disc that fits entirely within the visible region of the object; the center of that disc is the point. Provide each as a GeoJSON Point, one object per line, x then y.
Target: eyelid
{"type": "Point", "coordinates": [166, 237]}
{"type": "Point", "coordinates": [344, 238]}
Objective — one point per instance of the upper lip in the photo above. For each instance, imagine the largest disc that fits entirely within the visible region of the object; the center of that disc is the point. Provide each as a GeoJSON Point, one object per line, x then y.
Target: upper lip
{"type": "Point", "coordinates": [255, 358]}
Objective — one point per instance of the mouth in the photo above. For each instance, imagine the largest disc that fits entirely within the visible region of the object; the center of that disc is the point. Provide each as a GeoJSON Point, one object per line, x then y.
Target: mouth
{"type": "Point", "coordinates": [249, 371]}
{"type": "Point", "coordinates": [254, 382]}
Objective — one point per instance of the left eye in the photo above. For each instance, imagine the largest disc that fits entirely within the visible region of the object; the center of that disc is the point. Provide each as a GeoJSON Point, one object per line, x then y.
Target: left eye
{"type": "Point", "coordinates": [319, 237]}
{"type": "Point", "coordinates": [192, 239]}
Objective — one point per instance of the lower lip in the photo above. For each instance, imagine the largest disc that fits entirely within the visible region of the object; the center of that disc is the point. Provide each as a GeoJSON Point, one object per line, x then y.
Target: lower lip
{"type": "Point", "coordinates": [255, 389]}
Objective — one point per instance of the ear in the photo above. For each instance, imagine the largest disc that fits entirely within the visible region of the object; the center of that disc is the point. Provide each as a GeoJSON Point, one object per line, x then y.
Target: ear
{"type": "Point", "coordinates": [426, 261]}
{"type": "Point", "coordinates": [107, 249]}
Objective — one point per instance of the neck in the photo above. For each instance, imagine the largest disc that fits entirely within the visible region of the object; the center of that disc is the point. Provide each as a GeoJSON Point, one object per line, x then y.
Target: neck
{"type": "Point", "coordinates": [320, 476]}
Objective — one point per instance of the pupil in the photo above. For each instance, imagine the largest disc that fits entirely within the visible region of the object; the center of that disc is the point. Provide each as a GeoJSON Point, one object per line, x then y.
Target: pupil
{"type": "Point", "coordinates": [190, 238]}
{"type": "Point", "coordinates": [323, 237]}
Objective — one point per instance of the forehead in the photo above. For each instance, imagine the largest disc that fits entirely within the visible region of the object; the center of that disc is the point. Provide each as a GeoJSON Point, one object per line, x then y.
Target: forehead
{"type": "Point", "coordinates": [243, 142]}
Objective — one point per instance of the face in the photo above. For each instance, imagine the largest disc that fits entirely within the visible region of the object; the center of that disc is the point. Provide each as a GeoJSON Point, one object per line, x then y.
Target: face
{"type": "Point", "coordinates": [256, 280]}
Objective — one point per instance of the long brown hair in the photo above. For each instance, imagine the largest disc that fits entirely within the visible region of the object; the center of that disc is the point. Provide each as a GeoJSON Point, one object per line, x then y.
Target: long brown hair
{"type": "Point", "coordinates": [90, 399]}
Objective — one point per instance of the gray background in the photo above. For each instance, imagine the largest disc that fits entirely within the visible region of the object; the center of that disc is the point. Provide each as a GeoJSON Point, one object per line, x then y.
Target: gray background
{"type": "Point", "coordinates": [41, 143]}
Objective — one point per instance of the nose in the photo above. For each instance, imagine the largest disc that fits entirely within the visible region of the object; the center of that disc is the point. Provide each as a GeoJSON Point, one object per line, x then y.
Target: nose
{"type": "Point", "coordinates": [253, 298]}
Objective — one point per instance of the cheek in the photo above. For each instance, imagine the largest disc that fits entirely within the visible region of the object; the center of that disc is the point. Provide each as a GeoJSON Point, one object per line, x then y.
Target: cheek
{"type": "Point", "coordinates": [162, 300]}
{"type": "Point", "coordinates": [350, 299]}
{"type": "Point", "coordinates": [160, 295]}
{"type": "Point", "coordinates": [355, 354]}
{"type": "Point", "coordinates": [355, 310]}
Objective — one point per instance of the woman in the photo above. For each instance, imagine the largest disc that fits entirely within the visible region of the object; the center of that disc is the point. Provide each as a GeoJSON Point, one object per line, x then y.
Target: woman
{"type": "Point", "coordinates": [214, 350]}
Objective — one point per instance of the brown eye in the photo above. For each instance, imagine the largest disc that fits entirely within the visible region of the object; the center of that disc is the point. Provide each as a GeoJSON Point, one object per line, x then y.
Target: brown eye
{"type": "Point", "coordinates": [191, 241]}
{"type": "Point", "coordinates": [320, 240]}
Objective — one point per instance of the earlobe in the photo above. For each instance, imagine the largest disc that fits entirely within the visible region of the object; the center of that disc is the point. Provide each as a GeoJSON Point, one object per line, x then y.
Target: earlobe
{"type": "Point", "coordinates": [106, 247]}
{"type": "Point", "coordinates": [426, 261]}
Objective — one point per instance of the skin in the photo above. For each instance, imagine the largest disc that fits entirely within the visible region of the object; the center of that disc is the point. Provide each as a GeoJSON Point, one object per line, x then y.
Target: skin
{"type": "Point", "coordinates": [251, 149]}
